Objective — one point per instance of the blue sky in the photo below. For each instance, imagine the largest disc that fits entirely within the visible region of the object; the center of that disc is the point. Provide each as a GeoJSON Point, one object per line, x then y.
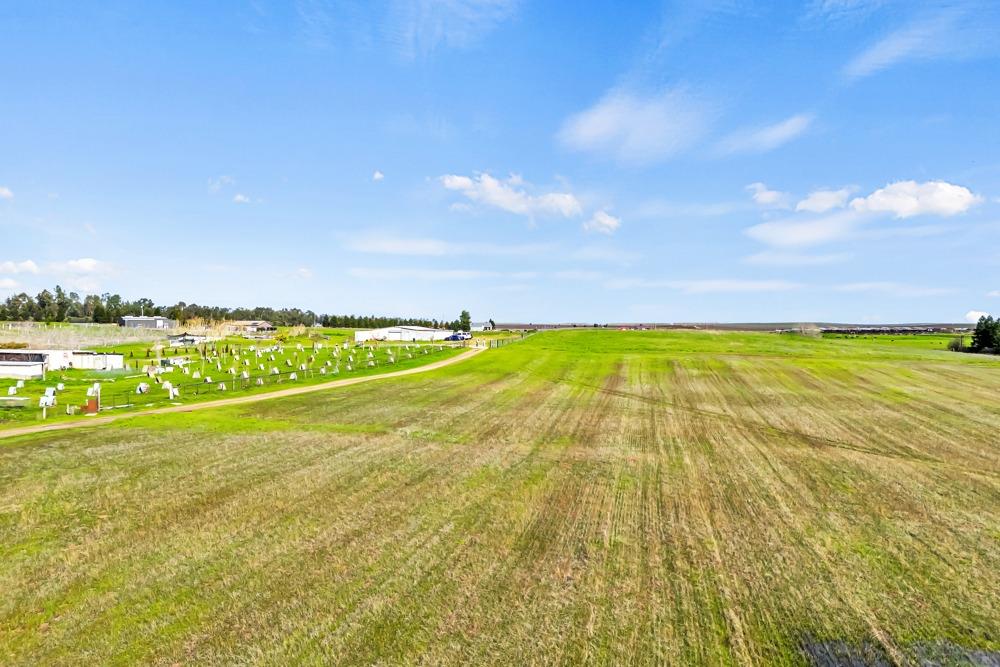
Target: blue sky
{"type": "Point", "coordinates": [834, 160]}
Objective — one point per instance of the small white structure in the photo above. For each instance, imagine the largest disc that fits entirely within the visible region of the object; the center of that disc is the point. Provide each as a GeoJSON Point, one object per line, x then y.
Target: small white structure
{"type": "Point", "coordinates": [481, 326]}
{"type": "Point", "coordinates": [402, 333]}
{"type": "Point", "coordinates": [59, 360]}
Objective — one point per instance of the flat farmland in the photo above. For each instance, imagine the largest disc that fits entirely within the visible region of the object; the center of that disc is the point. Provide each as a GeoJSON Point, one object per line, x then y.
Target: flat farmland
{"type": "Point", "coordinates": [593, 497]}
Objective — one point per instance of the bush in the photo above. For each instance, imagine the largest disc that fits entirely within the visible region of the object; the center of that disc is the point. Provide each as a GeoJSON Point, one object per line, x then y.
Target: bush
{"type": "Point", "coordinates": [957, 344]}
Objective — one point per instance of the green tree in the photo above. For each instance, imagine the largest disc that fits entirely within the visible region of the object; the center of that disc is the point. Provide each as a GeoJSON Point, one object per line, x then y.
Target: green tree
{"type": "Point", "coordinates": [465, 321]}
{"type": "Point", "coordinates": [986, 337]}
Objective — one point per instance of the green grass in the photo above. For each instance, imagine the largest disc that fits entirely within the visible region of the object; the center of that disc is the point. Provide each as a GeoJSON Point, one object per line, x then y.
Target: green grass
{"type": "Point", "coordinates": [577, 497]}
{"type": "Point", "coordinates": [118, 388]}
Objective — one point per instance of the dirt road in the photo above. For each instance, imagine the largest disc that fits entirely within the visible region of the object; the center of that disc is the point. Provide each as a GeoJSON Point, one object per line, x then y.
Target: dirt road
{"type": "Point", "coordinates": [291, 391]}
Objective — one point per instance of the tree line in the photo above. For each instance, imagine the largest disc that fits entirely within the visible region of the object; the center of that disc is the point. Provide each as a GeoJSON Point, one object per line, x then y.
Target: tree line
{"type": "Point", "coordinates": [58, 305]}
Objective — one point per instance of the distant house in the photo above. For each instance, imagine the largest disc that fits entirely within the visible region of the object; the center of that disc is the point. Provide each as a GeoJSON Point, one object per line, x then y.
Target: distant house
{"type": "Point", "coordinates": [481, 326]}
{"type": "Point", "coordinates": [402, 333]}
{"type": "Point", "coordinates": [147, 322]}
{"type": "Point", "coordinates": [250, 326]}
{"type": "Point", "coordinates": [183, 339]}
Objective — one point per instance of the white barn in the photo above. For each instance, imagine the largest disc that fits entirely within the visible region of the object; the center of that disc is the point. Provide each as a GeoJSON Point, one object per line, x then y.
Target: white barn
{"type": "Point", "coordinates": [407, 333]}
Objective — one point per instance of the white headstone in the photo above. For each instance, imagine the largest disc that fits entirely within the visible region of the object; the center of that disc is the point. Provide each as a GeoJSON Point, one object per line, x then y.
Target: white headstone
{"type": "Point", "coordinates": [293, 376]}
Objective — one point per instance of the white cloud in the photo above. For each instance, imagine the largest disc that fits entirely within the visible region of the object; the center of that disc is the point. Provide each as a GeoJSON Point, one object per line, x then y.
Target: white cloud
{"type": "Point", "coordinates": [510, 196]}
{"type": "Point", "coordinates": [952, 33]}
{"type": "Point", "coordinates": [239, 198]}
{"type": "Point", "coordinates": [994, 293]}
{"type": "Point", "coordinates": [793, 232]}
{"type": "Point", "coordinates": [578, 275]}
{"type": "Point", "coordinates": [83, 265]}
{"type": "Point", "coordinates": [893, 289]}
{"type": "Point", "coordinates": [974, 315]}
{"type": "Point", "coordinates": [216, 184]}
{"type": "Point", "coordinates": [602, 222]}
{"type": "Point", "coordinates": [634, 129]}
{"type": "Point", "coordinates": [419, 27]}
{"type": "Point", "coordinates": [905, 199]}
{"type": "Point", "coordinates": [763, 196]}
{"type": "Point", "coordinates": [775, 258]}
{"type": "Point", "coordinates": [763, 139]}
{"type": "Point", "coordinates": [25, 266]}
{"type": "Point", "coordinates": [391, 245]}
{"type": "Point", "coordinates": [5, 193]}
{"type": "Point", "coordinates": [8, 283]}
{"type": "Point", "coordinates": [661, 208]}
{"type": "Point", "coordinates": [601, 253]}
{"type": "Point", "coordinates": [378, 176]}
{"type": "Point", "coordinates": [821, 201]}
{"type": "Point", "coordinates": [434, 274]}
{"type": "Point", "coordinates": [707, 286]}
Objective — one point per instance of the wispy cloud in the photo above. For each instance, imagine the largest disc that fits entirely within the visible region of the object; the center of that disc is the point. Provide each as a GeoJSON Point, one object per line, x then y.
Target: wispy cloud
{"type": "Point", "coordinates": [767, 138]}
{"type": "Point", "coordinates": [706, 286]}
{"type": "Point", "coordinates": [5, 193]}
{"type": "Point", "coordinates": [893, 289]}
{"type": "Point", "coordinates": [821, 201]}
{"type": "Point", "coordinates": [602, 222]}
{"type": "Point", "coordinates": [661, 208]}
{"type": "Point", "coordinates": [218, 183]}
{"type": "Point", "coordinates": [240, 198]}
{"type": "Point", "coordinates": [638, 129]}
{"type": "Point", "coordinates": [956, 32]}
{"type": "Point", "coordinates": [366, 273]}
{"type": "Point", "coordinates": [512, 195]}
{"type": "Point", "coordinates": [777, 258]}
{"type": "Point", "coordinates": [382, 244]}
{"type": "Point", "coordinates": [766, 197]}
{"type": "Point", "coordinates": [378, 176]}
{"type": "Point", "coordinates": [420, 27]}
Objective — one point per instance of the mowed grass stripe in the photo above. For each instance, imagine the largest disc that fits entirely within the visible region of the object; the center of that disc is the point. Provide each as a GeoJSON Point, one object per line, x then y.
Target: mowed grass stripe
{"type": "Point", "coordinates": [603, 497]}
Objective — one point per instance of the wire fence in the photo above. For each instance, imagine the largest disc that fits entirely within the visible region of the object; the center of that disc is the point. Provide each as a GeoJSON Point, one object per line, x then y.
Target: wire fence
{"type": "Point", "coordinates": [500, 342]}
{"type": "Point", "coordinates": [228, 383]}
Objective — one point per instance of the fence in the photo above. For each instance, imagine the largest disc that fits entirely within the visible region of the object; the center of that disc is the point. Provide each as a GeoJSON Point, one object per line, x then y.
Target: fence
{"type": "Point", "coordinates": [111, 399]}
{"type": "Point", "coordinates": [500, 342]}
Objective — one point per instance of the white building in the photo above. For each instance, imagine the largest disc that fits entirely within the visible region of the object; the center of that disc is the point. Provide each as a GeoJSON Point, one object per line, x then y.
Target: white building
{"type": "Point", "coordinates": [405, 333]}
{"type": "Point", "coordinates": [21, 365]}
{"type": "Point", "coordinates": [146, 322]}
{"type": "Point", "coordinates": [481, 326]}
{"type": "Point", "coordinates": [58, 360]}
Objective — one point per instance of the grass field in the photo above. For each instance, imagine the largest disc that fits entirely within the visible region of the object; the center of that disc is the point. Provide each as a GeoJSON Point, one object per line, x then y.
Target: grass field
{"type": "Point", "coordinates": [577, 497]}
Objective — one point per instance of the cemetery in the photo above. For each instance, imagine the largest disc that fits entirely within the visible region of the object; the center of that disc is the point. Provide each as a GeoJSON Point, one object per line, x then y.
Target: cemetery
{"type": "Point", "coordinates": [68, 384]}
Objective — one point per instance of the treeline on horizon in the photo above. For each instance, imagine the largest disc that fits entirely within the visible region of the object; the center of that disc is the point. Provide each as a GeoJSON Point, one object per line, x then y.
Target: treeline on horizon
{"type": "Point", "coordinates": [59, 305]}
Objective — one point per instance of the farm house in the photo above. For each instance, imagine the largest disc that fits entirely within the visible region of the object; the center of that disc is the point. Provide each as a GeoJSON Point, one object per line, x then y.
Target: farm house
{"type": "Point", "coordinates": [402, 333]}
